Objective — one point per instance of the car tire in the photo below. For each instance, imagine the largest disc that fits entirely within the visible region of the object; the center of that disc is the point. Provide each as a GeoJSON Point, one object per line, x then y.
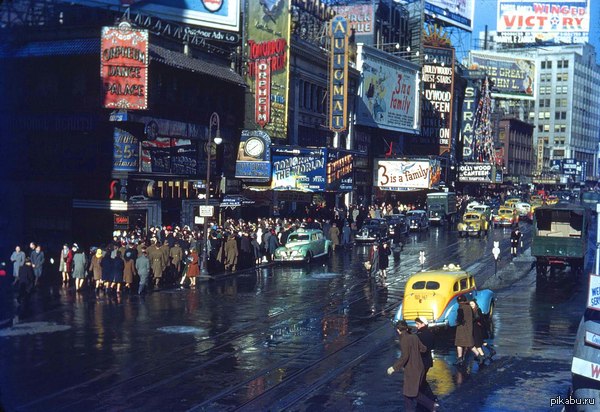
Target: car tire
{"type": "Point", "coordinates": [308, 258]}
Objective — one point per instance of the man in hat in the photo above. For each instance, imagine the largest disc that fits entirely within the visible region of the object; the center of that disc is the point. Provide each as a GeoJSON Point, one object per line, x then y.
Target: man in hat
{"type": "Point", "coordinates": [412, 363]}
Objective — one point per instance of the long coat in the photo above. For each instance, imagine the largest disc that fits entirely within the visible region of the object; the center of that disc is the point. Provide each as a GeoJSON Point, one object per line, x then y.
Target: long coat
{"type": "Point", "coordinates": [411, 361]}
{"type": "Point", "coordinates": [231, 253]}
{"type": "Point", "coordinates": [426, 337]}
{"type": "Point", "coordinates": [464, 329]}
{"type": "Point", "coordinates": [142, 266]}
{"type": "Point", "coordinates": [156, 261]}
{"type": "Point", "coordinates": [79, 265]}
{"type": "Point", "coordinates": [18, 259]}
{"type": "Point", "coordinates": [96, 266]}
{"type": "Point", "coordinates": [384, 257]}
{"type": "Point", "coordinates": [37, 261]}
{"type": "Point", "coordinates": [334, 235]}
{"type": "Point", "coordinates": [128, 270]}
{"type": "Point", "coordinates": [374, 259]}
{"type": "Point", "coordinates": [193, 268]}
{"type": "Point", "coordinates": [176, 254]}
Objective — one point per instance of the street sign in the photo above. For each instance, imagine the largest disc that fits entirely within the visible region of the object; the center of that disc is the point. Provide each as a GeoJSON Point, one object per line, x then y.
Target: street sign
{"type": "Point", "coordinates": [422, 257]}
{"type": "Point", "coordinates": [496, 250]}
{"type": "Point", "coordinates": [207, 211]}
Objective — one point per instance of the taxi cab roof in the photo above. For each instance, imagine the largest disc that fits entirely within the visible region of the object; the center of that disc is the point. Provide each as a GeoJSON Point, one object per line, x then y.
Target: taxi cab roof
{"type": "Point", "coordinates": [446, 276]}
{"type": "Point", "coordinates": [306, 231]}
{"type": "Point", "coordinates": [505, 210]}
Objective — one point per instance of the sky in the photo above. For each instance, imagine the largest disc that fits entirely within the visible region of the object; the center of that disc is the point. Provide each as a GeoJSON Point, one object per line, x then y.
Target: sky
{"type": "Point", "coordinates": [486, 13]}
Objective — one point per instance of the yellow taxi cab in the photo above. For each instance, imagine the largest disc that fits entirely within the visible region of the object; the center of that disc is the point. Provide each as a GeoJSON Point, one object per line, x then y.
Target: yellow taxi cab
{"type": "Point", "coordinates": [534, 205]}
{"type": "Point", "coordinates": [512, 202]}
{"type": "Point", "coordinates": [536, 199]}
{"type": "Point", "coordinates": [432, 295]}
{"type": "Point", "coordinates": [506, 216]}
{"type": "Point", "coordinates": [473, 223]}
{"type": "Point", "coordinates": [552, 200]}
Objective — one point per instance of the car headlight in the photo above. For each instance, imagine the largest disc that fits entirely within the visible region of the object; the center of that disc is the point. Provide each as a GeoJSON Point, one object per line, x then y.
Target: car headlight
{"type": "Point", "coordinates": [294, 253]}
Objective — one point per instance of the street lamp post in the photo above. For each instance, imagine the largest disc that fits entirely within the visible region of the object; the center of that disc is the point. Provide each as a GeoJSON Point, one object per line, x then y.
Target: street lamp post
{"type": "Point", "coordinates": [213, 122]}
{"type": "Point", "coordinates": [496, 253]}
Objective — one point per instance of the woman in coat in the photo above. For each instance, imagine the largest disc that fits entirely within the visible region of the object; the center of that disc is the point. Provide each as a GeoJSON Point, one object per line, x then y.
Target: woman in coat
{"type": "Point", "coordinates": [65, 260]}
{"type": "Point", "coordinates": [96, 268]}
{"type": "Point", "coordinates": [118, 266]}
{"type": "Point", "coordinates": [231, 253]}
{"type": "Point", "coordinates": [79, 267]}
{"type": "Point", "coordinates": [128, 270]}
{"type": "Point", "coordinates": [463, 340]}
{"type": "Point", "coordinates": [384, 259]}
{"type": "Point", "coordinates": [412, 364]}
{"type": "Point", "coordinates": [479, 331]}
{"type": "Point", "coordinates": [107, 269]}
{"type": "Point", "coordinates": [193, 269]}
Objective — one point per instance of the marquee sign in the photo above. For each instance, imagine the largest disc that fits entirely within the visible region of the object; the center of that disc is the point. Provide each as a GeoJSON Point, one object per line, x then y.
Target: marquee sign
{"type": "Point", "coordinates": [262, 114]}
{"type": "Point", "coordinates": [124, 67]}
{"type": "Point", "coordinates": [338, 77]}
{"type": "Point", "coordinates": [407, 174]}
{"type": "Point", "coordinates": [298, 169]}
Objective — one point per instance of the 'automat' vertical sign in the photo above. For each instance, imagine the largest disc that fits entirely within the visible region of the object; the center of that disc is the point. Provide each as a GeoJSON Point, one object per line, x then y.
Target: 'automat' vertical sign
{"type": "Point", "coordinates": [124, 67]}
{"type": "Point", "coordinates": [338, 83]}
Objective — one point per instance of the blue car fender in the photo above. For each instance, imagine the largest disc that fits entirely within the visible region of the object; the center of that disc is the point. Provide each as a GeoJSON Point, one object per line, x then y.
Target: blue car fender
{"type": "Point", "coordinates": [485, 299]}
{"type": "Point", "coordinates": [398, 314]}
{"type": "Point", "coordinates": [451, 313]}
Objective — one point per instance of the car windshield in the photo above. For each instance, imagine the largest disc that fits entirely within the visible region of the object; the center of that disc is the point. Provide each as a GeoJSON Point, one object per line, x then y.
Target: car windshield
{"type": "Point", "coordinates": [505, 211]}
{"type": "Point", "coordinates": [471, 217]}
{"type": "Point", "coordinates": [297, 237]}
{"type": "Point", "coordinates": [428, 285]}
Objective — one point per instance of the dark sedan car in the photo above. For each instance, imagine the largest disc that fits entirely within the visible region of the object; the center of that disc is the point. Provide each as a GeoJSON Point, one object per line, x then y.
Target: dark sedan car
{"type": "Point", "coordinates": [397, 222]}
{"type": "Point", "coordinates": [373, 230]}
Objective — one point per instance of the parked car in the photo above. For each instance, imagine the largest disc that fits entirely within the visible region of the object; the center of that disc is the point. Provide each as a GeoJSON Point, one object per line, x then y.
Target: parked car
{"type": "Point", "coordinates": [432, 295]}
{"type": "Point", "coordinates": [395, 221]}
{"type": "Point", "coordinates": [473, 223]}
{"type": "Point", "coordinates": [417, 220]}
{"type": "Point", "coordinates": [512, 202]}
{"type": "Point", "coordinates": [303, 245]}
{"type": "Point", "coordinates": [506, 216]}
{"type": "Point", "coordinates": [373, 230]}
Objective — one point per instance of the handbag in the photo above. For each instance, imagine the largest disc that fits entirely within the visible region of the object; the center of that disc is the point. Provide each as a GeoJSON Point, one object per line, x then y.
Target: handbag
{"type": "Point", "coordinates": [367, 265]}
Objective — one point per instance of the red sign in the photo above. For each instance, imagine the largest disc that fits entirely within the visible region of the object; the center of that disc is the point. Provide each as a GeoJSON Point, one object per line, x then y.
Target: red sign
{"type": "Point", "coordinates": [124, 67]}
{"type": "Point", "coordinates": [262, 94]}
{"type": "Point", "coordinates": [121, 220]}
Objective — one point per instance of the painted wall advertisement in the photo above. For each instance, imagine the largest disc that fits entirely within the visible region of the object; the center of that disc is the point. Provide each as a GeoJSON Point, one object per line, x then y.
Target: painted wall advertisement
{"type": "Point", "coordinates": [389, 97]}
{"type": "Point", "coordinates": [219, 14]}
{"type": "Point", "coordinates": [298, 169]}
{"type": "Point", "coordinates": [407, 174]}
{"type": "Point", "coordinates": [126, 151]}
{"type": "Point", "coordinates": [476, 172]}
{"type": "Point", "coordinates": [268, 33]}
{"type": "Point", "coordinates": [438, 87]}
{"type": "Point", "coordinates": [338, 76]}
{"type": "Point", "coordinates": [511, 78]}
{"type": "Point", "coordinates": [563, 21]}
{"type": "Point", "coordinates": [254, 156]}
{"type": "Point", "coordinates": [457, 13]}
{"type": "Point", "coordinates": [340, 170]}
{"type": "Point", "coordinates": [360, 17]}
{"type": "Point", "coordinates": [124, 67]}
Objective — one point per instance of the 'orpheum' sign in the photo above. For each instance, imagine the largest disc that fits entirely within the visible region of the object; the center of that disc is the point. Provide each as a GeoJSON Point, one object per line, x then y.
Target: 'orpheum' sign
{"type": "Point", "coordinates": [124, 67]}
{"type": "Point", "coordinates": [263, 92]}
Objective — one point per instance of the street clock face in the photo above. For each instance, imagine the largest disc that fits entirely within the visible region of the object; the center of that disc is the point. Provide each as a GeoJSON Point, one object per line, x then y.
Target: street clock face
{"type": "Point", "coordinates": [254, 147]}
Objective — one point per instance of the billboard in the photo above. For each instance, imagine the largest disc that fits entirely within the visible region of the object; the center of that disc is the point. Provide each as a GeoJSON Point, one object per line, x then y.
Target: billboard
{"type": "Point", "coordinates": [360, 17]}
{"type": "Point", "coordinates": [467, 127]}
{"type": "Point", "coordinates": [474, 172]}
{"type": "Point", "coordinates": [298, 169]}
{"type": "Point", "coordinates": [218, 14]}
{"type": "Point", "coordinates": [438, 87]}
{"type": "Point", "coordinates": [512, 78]}
{"type": "Point", "coordinates": [562, 21]}
{"type": "Point", "coordinates": [407, 174]}
{"type": "Point", "coordinates": [389, 96]}
{"type": "Point", "coordinates": [338, 75]}
{"type": "Point", "coordinates": [340, 170]}
{"type": "Point", "coordinates": [457, 13]}
{"type": "Point", "coordinates": [267, 77]}
{"type": "Point", "coordinates": [126, 151]}
{"type": "Point", "coordinates": [254, 156]}
{"type": "Point", "coordinates": [124, 67]}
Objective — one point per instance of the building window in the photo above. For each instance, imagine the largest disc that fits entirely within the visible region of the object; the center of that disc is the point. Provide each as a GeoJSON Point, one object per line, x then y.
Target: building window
{"type": "Point", "coordinates": [546, 128]}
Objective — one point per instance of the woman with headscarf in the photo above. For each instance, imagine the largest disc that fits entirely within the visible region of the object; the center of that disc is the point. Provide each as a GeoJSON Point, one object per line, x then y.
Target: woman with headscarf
{"type": "Point", "coordinates": [79, 266]}
{"type": "Point", "coordinates": [96, 268]}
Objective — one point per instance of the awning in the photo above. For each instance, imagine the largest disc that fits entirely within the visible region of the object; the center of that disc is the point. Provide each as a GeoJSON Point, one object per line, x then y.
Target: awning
{"type": "Point", "coordinates": [91, 46]}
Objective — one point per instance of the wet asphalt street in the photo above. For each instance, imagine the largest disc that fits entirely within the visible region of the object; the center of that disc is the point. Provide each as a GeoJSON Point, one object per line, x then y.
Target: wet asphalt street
{"type": "Point", "coordinates": [286, 338]}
